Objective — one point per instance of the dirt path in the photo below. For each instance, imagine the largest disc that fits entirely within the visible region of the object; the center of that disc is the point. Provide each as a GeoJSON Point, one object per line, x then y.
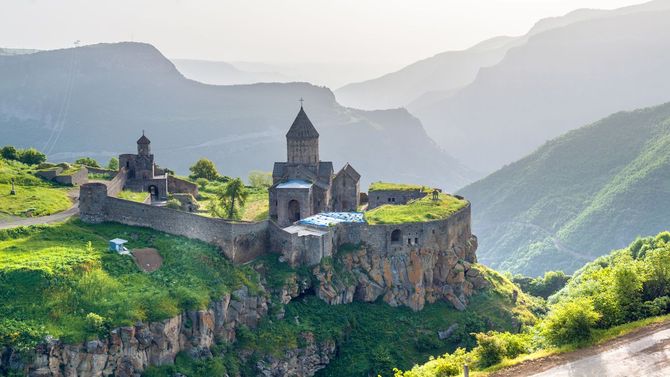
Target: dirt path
{"type": "Point", "coordinates": [644, 352]}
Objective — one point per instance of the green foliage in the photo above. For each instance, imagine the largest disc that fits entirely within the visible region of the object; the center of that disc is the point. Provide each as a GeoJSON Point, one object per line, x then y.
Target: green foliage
{"type": "Point", "coordinates": [32, 156]}
{"type": "Point", "coordinates": [8, 152]}
{"type": "Point", "coordinates": [260, 179]}
{"type": "Point", "coordinates": [570, 322]}
{"type": "Point", "coordinates": [204, 168]}
{"type": "Point", "coordinates": [424, 209]}
{"type": "Point", "coordinates": [550, 283]}
{"type": "Point", "coordinates": [113, 164]}
{"type": "Point", "coordinates": [61, 280]}
{"type": "Point", "coordinates": [231, 197]}
{"type": "Point", "coordinates": [173, 203]}
{"type": "Point", "coordinates": [88, 161]}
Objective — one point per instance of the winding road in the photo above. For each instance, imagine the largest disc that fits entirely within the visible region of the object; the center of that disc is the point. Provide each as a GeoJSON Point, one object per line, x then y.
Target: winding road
{"type": "Point", "coordinates": [13, 221]}
{"type": "Point", "coordinates": [644, 352]}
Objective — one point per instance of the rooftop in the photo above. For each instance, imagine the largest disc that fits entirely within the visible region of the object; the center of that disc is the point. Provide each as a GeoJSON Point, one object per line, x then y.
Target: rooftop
{"type": "Point", "coordinates": [294, 183]}
{"type": "Point", "coordinates": [302, 127]}
{"type": "Point", "coordinates": [381, 186]}
{"type": "Point", "coordinates": [419, 210]}
{"type": "Point", "coordinates": [326, 219]}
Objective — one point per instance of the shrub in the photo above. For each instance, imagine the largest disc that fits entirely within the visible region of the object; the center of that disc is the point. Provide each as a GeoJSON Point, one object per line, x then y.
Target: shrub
{"type": "Point", "coordinates": [202, 183]}
{"type": "Point", "coordinates": [88, 162]}
{"type": "Point", "coordinates": [173, 203]}
{"type": "Point", "coordinates": [570, 322]}
{"type": "Point", "coordinates": [32, 156]}
{"type": "Point", "coordinates": [260, 179]}
{"type": "Point", "coordinates": [490, 349]}
{"type": "Point", "coordinates": [95, 323]}
{"type": "Point", "coordinates": [8, 152]}
{"type": "Point", "coordinates": [113, 164]}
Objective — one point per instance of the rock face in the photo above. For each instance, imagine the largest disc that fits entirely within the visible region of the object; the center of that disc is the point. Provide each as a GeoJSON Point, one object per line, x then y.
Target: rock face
{"type": "Point", "coordinates": [410, 277]}
{"type": "Point", "coordinates": [300, 362]}
{"type": "Point", "coordinates": [129, 350]}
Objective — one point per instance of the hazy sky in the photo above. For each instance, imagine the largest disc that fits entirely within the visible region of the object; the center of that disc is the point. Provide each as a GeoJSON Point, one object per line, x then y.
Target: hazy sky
{"type": "Point", "coordinates": [386, 32]}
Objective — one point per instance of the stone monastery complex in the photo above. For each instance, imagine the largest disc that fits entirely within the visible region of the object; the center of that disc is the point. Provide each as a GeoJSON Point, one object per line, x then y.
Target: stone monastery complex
{"type": "Point", "coordinates": [313, 214]}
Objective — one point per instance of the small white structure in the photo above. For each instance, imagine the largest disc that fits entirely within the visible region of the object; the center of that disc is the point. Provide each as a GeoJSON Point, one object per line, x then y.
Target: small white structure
{"type": "Point", "coordinates": [117, 245]}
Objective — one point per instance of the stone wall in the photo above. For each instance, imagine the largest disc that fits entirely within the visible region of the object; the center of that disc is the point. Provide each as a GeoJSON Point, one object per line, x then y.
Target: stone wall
{"type": "Point", "coordinates": [239, 241]}
{"type": "Point", "coordinates": [380, 197]}
{"type": "Point", "coordinates": [307, 250]}
{"type": "Point", "coordinates": [178, 185]}
{"type": "Point", "coordinates": [115, 186]}
{"type": "Point", "coordinates": [76, 179]}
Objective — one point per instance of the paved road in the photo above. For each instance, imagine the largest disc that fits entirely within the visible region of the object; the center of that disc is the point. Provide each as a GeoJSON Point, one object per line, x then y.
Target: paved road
{"type": "Point", "coordinates": [647, 356]}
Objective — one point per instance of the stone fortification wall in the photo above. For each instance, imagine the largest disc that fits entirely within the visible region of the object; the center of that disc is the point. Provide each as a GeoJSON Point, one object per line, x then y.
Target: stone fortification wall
{"type": "Point", "coordinates": [115, 186]}
{"type": "Point", "coordinates": [380, 197]}
{"type": "Point", "coordinates": [239, 241]}
{"type": "Point", "coordinates": [300, 250]}
{"type": "Point", "coordinates": [178, 185]}
{"type": "Point", "coordinates": [78, 178]}
{"type": "Point", "coordinates": [95, 170]}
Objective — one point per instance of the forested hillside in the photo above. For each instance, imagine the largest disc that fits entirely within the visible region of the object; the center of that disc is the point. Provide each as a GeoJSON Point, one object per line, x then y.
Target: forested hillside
{"type": "Point", "coordinates": [578, 196]}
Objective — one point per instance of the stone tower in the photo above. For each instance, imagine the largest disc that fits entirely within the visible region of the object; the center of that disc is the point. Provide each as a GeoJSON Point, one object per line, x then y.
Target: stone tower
{"type": "Point", "coordinates": [302, 141]}
{"type": "Point", "coordinates": [143, 145]}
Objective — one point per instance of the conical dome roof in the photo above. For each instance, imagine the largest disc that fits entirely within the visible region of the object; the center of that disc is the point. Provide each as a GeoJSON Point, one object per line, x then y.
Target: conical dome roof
{"type": "Point", "coordinates": [302, 127]}
{"type": "Point", "coordinates": [143, 140]}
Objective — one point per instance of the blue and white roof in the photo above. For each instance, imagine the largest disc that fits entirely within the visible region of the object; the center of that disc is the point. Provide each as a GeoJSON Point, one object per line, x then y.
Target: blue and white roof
{"type": "Point", "coordinates": [326, 219]}
{"type": "Point", "coordinates": [294, 184]}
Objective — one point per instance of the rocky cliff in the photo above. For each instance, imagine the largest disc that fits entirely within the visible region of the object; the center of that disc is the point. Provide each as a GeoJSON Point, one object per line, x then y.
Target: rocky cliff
{"type": "Point", "coordinates": [127, 351]}
{"type": "Point", "coordinates": [409, 278]}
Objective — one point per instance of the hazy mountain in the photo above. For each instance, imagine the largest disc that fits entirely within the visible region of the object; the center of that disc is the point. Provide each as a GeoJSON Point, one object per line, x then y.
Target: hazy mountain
{"type": "Point", "coordinates": [222, 73]}
{"type": "Point", "coordinates": [448, 71]}
{"type": "Point", "coordinates": [15, 51]}
{"type": "Point", "coordinates": [578, 196]}
{"type": "Point", "coordinates": [96, 100]}
{"type": "Point", "coordinates": [558, 79]}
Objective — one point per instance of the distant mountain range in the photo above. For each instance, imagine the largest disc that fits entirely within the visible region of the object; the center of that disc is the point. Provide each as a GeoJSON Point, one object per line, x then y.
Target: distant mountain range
{"type": "Point", "coordinates": [578, 196]}
{"type": "Point", "coordinates": [498, 101]}
{"type": "Point", "coordinates": [96, 100]}
{"type": "Point", "coordinates": [222, 73]}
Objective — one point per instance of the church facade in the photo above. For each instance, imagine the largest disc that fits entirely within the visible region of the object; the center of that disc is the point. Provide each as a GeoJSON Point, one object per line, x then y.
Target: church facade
{"type": "Point", "coordinates": [304, 185]}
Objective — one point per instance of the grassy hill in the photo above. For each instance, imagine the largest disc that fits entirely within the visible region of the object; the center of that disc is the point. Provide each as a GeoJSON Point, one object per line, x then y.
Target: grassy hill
{"type": "Point", "coordinates": [578, 196]}
{"type": "Point", "coordinates": [34, 196]}
{"type": "Point", "coordinates": [53, 277]}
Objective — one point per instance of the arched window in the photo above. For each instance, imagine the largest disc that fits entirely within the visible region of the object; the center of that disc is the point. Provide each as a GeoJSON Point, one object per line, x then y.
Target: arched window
{"type": "Point", "coordinates": [396, 235]}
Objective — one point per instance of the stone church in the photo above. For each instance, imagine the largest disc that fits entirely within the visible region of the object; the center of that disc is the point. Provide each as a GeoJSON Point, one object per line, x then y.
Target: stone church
{"type": "Point", "coordinates": [143, 174]}
{"type": "Point", "coordinates": [304, 185]}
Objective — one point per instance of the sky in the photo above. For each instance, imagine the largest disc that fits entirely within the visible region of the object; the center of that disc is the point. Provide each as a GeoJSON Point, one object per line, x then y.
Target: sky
{"type": "Point", "coordinates": [388, 33]}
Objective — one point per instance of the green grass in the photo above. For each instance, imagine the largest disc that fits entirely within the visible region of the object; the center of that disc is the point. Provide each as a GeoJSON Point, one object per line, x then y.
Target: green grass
{"type": "Point", "coordinates": [424, 209]}
{"type": "Point", "coordinates": [100, 176]}
{"type": "Point", "coordinates": [133, 196]}
{"type": "Point", "coordinates": [256, 208]}
{"type": "Point", "coordinates": [51, 278]}
{"type": "Point", "coordinates": [34, 197]}
{"type": "Point", "coordinates": [379, 186]}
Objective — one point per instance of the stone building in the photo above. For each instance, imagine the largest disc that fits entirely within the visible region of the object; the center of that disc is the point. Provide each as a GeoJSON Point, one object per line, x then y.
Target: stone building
{"type": "Point", "coordinates": [304, 185]}
{"type": "Point", "coordinates": [142, 173]}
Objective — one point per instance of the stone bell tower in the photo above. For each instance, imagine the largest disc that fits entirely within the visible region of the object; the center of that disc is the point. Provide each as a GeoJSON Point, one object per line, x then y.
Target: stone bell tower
{"type": "Point", "coordinates": [302, 141]}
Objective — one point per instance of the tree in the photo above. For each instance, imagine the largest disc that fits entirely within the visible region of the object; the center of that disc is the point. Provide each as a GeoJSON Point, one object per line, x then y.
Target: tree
{"type": "Point", "coordinates": [88, 162]}
{"type": "Point", "coordinates": [113, 164]}
{"type": "Point", "coordinates": [260, 179]}
{"type": "Point", "coordinates": [204, 168]}
{"type": "Point", "coordinates": [32, 156]}
{"type": "Point", "coordinates": [232, 196]}
{"type": "Point", "coordinates": [8, 152]}
{"type": "Point", "coordinates": [570, 322]}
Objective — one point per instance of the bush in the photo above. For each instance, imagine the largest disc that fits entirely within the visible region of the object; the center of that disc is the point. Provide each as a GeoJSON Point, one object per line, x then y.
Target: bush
{"type": "Point", "coordinates": [490, 349]}
{"type": "Point", "coordinates": [113, 164]}
{"type": "Point", "coordinates": [87, 161]}
{"type": "Point", "coordinates": [8, 152]}
{"type": "Point", "coordinates": [173, 203]}
{"type": "Point", "coordinates": [31, 156]}
{"type": "Point", "coordinates": [96, 324]}
{"type": "Point", "coordinates": [570, 322]}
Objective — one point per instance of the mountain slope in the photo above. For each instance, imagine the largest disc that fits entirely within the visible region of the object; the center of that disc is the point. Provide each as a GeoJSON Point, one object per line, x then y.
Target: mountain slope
{"type": "Point", "coordinates": [222, 73]}
{"type": "Point", "coordinates": [452, 70]}
{"type": "Point", "coordinates": [96, 100]}
{"type": "Point", "coordinates": [578, 196]}
{"type": "Point", "coordinates": [560, 78]}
